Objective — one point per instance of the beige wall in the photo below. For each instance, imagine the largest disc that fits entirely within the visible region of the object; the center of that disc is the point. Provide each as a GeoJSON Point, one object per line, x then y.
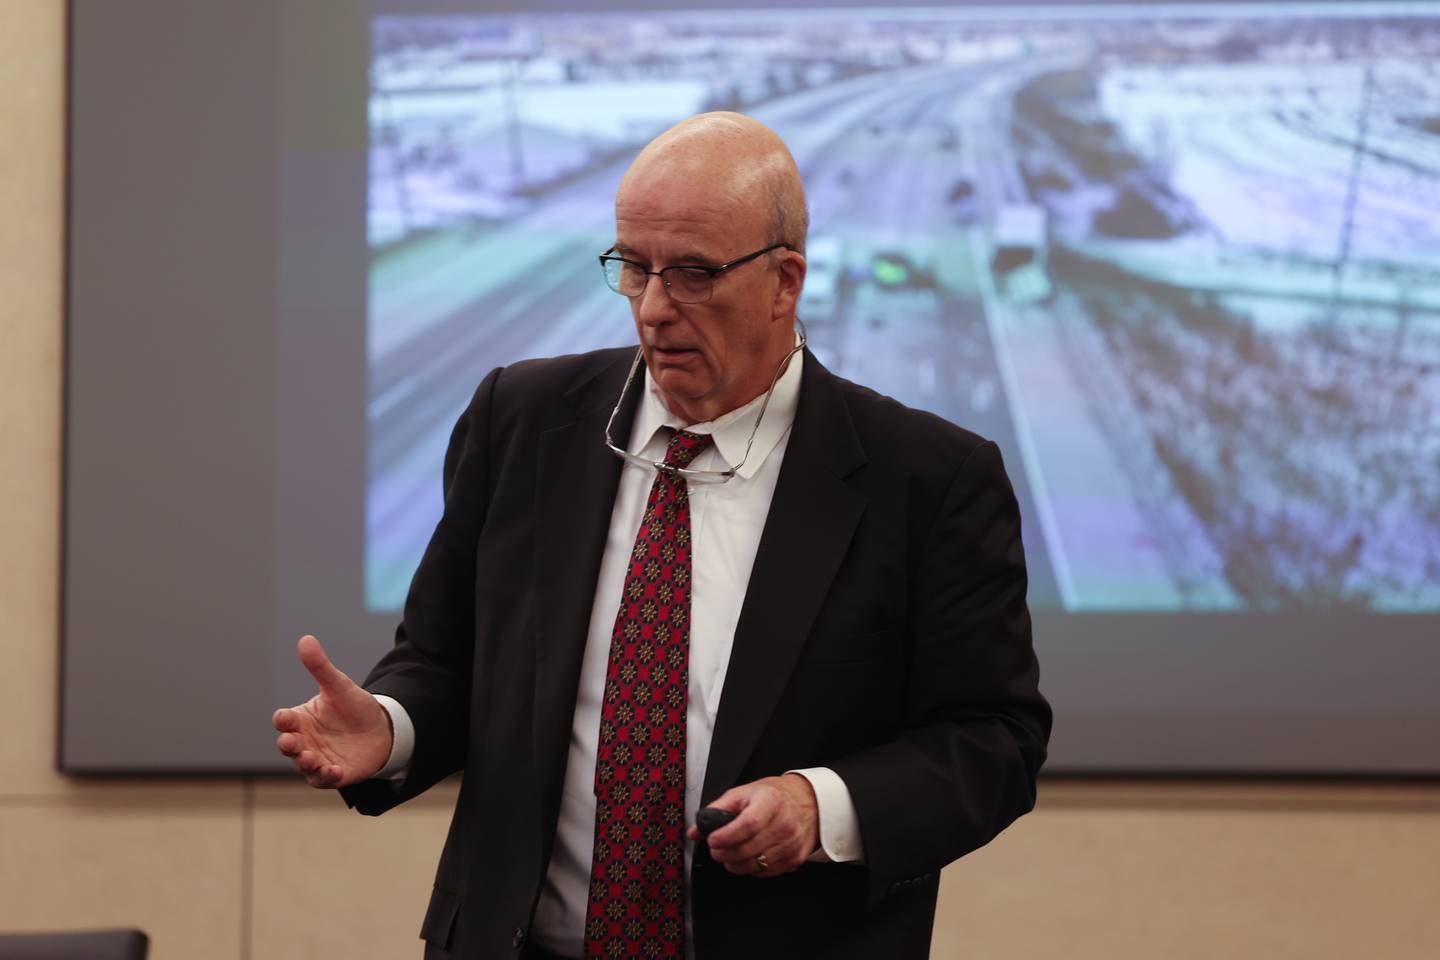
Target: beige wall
{"type": "Point", "coordinates": [235, 868]}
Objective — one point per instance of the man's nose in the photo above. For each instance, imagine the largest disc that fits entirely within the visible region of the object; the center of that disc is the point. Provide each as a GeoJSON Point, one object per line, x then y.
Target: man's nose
{"type": "Point", "coordinates": [654, 305]}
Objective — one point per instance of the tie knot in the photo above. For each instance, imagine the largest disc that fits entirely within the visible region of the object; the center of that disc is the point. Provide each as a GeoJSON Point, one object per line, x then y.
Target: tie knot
{"type": "Point", "coordinates": [686, 446]}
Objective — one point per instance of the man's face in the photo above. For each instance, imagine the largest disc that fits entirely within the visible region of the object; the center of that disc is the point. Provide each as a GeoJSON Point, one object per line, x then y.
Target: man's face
{"type": "Point", "coordinates": [707, 358]}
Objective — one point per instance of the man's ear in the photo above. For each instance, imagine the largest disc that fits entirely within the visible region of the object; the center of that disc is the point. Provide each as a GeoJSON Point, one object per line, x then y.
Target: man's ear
{"type": "Point", "coordinates": [791, 272]}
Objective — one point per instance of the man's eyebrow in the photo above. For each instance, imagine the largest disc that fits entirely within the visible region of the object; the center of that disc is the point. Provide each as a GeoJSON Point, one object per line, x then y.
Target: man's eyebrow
{"type": "Point", "coordinates": [695, 257]}
{"type": "Point", "coordinates": [691, 257]}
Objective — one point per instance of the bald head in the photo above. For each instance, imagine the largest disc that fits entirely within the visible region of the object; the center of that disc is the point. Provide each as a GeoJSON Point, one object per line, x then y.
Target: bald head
{"type": "Point", "coordinates": [716, 189]}
{"type": "Point", "coordinates": [737, 162]}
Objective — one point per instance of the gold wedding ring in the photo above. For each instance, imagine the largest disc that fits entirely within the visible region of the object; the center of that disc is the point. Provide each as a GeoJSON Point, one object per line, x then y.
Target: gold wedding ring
{"type": "Point", "coordinates": [762, 863]}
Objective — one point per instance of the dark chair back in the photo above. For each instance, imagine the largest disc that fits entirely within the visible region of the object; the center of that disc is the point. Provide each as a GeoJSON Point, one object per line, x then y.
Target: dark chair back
{"type": "Point", "coordinates": [75, 945]}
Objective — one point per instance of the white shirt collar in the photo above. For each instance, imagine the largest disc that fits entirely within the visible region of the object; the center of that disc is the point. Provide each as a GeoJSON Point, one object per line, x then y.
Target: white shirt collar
{"type": "Point", "coordinates": [731, 430]}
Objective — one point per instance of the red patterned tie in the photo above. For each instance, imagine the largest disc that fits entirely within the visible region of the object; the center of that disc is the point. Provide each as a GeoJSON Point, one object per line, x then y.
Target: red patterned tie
{"type": "Point", "coordinates": [637, 877]}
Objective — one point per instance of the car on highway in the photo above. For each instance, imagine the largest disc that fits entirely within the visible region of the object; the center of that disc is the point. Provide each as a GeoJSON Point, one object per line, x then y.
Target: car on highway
{"type": "Point", "coordinates": [896, 269]}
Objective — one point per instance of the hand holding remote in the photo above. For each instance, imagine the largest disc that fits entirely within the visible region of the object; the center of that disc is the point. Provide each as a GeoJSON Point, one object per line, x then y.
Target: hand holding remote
{"type": "Point", "coordinates": [761, 829]}
{"type": "Point", "coordinates": [710, 819]}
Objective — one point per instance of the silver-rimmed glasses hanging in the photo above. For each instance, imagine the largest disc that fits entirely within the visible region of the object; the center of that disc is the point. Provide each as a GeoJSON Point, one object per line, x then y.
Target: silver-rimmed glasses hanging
{"type": "Point", "coordinates": [696, 476]}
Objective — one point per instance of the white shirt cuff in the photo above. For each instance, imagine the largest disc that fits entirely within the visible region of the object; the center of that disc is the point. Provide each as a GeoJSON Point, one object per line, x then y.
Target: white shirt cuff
{"type": "Point", "coordinates": [839, 824]}
{"type": "Point", "coordinates": [397, 767]}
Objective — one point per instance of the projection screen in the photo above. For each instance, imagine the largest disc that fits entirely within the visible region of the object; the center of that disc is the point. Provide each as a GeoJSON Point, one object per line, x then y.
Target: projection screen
{"type": "Point", "coordinates": [1181, 261]}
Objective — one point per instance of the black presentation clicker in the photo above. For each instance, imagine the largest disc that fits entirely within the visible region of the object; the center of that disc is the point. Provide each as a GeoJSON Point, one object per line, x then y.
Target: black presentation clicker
{"type": "Point", "coordinates": [710, 819]}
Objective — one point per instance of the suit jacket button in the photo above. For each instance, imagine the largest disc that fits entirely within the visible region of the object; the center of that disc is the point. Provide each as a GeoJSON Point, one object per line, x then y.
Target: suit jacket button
{"type": "Point", "coordinates": [517, 940]}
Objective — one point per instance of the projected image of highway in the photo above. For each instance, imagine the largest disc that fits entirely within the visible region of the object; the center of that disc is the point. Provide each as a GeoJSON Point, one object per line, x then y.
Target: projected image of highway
{"type": "Point", "coordinates": [1186, 273]}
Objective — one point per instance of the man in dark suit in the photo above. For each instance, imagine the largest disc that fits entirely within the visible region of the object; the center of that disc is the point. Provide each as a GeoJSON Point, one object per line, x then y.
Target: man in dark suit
{"type": "Point", "coordinates": [821, 621]}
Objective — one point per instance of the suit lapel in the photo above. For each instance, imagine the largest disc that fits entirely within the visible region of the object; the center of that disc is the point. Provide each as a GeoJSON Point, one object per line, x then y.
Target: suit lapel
{"type": "Point", "coordinates": [576, 482]}
{"type": "Point", "coordinates": [812, 519]}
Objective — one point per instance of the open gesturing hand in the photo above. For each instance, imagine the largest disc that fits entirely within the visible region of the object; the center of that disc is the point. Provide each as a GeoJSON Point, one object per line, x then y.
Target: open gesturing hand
{"type": "Point", "coordinates": [339, 736]}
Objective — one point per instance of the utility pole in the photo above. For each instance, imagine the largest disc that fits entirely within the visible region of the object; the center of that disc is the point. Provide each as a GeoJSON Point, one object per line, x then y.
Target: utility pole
{"type": "Point", "coordinates": [1347, 219]}
{"type": "Point", "coordinates": [512, 125]}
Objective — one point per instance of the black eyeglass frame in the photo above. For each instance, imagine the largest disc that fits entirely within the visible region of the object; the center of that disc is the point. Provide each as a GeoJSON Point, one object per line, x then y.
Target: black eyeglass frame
{"type": "Point", "coordinates": [713, 271]}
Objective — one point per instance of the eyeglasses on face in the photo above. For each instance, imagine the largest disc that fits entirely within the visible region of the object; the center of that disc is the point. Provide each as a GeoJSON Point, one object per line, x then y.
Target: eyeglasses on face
{"type": "Point", "coordinates": [686, 283]}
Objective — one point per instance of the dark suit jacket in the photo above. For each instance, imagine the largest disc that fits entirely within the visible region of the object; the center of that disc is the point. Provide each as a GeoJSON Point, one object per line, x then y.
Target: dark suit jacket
{"type": "Point", "coordinates": [884, 634]}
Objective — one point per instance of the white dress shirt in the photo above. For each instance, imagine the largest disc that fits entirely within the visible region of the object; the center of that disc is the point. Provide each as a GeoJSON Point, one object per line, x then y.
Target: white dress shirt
{"type": "Point", "coordinates": [726, 522]}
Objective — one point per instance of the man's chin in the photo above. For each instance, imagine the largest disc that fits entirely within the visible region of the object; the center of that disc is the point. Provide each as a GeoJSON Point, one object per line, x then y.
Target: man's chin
{"type": "Point", "coordinates": [682, 389]}
{"type": "Point", "coordinates": [680, 384]}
